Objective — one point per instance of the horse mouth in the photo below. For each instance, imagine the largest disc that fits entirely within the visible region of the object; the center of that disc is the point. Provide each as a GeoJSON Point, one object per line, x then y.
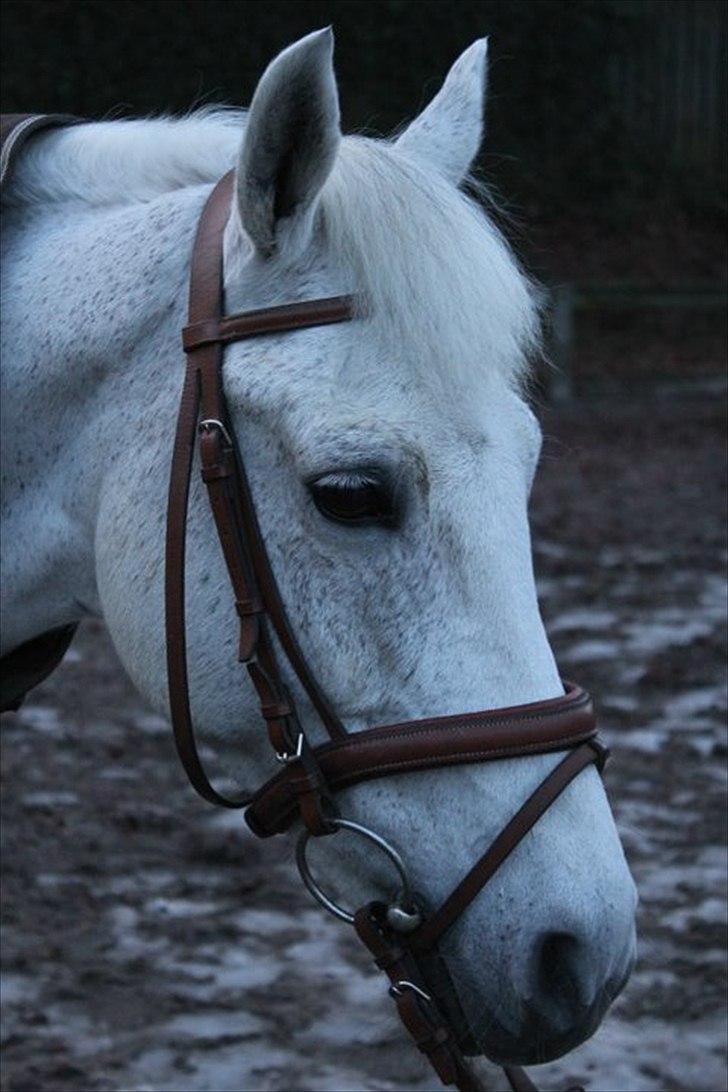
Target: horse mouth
{"type": "Point", "coordinates": [536, 1043]}
{"type": "Point", "coordinates": [538, 1040]}
{"type": "Point", "coordinates": [540, 1036]}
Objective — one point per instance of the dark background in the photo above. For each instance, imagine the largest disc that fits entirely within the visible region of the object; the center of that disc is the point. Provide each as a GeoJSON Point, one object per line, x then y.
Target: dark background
{"type": "Point", "coordinates": [575, 87]}
{"type": "Point", "coordinates": [606, 124]}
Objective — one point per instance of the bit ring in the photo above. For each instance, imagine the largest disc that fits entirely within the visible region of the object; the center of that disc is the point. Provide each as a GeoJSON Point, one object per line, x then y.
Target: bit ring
{"type": "Point", "coordinates": [404, 899]}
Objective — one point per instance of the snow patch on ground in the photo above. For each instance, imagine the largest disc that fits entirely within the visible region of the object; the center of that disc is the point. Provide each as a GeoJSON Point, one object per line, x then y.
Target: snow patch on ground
{"type": "Point", "coordinates": [632, 1056]}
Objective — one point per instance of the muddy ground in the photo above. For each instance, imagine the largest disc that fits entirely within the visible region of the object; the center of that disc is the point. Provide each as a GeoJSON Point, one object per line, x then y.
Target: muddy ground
{"type": "Point", "coordinates": [149, 944]}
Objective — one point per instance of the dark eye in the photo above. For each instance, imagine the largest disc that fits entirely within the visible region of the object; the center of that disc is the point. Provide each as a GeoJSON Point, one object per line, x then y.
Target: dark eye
{"type": "Point", "coordinates": [354, 496]}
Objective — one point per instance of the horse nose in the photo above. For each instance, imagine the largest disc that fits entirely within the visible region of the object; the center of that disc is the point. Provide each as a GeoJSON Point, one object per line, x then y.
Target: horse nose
{"type": "Point", "coordinates": [562, 985]}
{"type": "Point", "coordinates": [571, 984]}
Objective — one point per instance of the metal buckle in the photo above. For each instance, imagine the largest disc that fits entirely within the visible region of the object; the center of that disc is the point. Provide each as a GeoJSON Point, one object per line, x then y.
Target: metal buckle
{"type": "Point", "coordinates": [397, 989]}
{"type": "Point", "coordinates": [212, 422]}
{"type": "Point", "coordinates": [285, 758]}
{"type": "Point", "coordinates": [403, 902]}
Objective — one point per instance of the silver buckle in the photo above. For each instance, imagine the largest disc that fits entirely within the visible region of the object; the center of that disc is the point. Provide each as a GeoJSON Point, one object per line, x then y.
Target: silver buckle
{"type": "Point", "coordinates": [285, 758]}
{"type": "Point", "coordinates": [212, 422]}
{"type": "Point", "coordinates": [398, 988]}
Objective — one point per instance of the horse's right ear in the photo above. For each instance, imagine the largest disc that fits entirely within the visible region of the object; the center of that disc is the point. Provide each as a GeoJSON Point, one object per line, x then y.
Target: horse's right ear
{"type": "Point", "coordinates": [449, 131]}
{"type": "Point", "coordinates": [290, 145]}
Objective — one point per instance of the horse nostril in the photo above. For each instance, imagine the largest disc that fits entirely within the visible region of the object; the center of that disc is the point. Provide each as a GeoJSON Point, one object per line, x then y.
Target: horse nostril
{"type": "Point", "coordinates": [562, 972]}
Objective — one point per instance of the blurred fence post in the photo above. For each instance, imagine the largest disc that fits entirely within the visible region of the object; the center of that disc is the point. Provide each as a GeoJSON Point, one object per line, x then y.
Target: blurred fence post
{"type": "Point", "coordinates": [561, 386]}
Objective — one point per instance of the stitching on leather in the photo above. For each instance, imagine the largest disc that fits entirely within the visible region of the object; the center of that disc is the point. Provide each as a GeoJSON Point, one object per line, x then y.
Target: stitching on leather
{"type": "Point", "coordinates": [359, 740]}
{"type": "Point", "coordinates": [502, 752]}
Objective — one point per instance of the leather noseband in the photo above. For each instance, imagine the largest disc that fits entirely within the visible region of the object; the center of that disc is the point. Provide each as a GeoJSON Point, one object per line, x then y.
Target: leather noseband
{"type": "Point", "coordinates": [305, 787]}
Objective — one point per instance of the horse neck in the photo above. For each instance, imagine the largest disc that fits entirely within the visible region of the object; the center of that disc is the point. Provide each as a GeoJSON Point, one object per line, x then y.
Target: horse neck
{"type": "Point", "coordinates": [93, 302]}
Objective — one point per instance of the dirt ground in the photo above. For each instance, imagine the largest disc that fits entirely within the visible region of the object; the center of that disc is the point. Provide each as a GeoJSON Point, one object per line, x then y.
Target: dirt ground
{"type": "Point", "coordinates": [150, 944]}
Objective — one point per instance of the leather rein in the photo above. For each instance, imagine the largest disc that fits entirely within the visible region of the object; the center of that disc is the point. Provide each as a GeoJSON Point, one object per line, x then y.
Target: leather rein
{"type": "Point", "coordinates": [402, 941]}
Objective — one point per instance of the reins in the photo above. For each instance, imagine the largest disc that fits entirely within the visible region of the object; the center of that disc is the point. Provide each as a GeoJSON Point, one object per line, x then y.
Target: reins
{"type": "Point", "coordinates": [402, 941]}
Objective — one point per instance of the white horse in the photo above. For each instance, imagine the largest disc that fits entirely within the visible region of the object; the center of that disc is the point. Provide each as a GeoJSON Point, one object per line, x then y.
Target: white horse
{"type": "Point", "coordinates": [413, 418]}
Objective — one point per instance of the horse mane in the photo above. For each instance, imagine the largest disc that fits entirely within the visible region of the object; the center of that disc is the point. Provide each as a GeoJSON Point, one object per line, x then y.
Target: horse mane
{"type": "Point", "coordinates": [425, 255]}
{"type": "Point", "coordinates": [128, 160]}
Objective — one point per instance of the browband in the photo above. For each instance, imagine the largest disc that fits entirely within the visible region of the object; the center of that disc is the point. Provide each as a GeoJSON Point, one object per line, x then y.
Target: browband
{"type": "Point", "coordinates": [268, 320]}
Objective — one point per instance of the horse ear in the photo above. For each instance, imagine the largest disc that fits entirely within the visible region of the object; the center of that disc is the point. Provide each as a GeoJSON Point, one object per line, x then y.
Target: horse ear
{"type": "Point", "coordinates": [449, 131]}
{"type": "Point", "coordinates": [290, 144]}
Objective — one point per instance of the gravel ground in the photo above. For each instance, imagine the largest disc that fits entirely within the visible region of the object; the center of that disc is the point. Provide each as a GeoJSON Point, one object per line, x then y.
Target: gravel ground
{"type": "Point", "coordinates": [150, 944]}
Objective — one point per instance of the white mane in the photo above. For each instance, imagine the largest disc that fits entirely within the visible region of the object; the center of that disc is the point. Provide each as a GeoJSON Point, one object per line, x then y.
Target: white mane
{"type": "Point", "coordinates": [121, 162]}
{"type": "Point", "coordinates": [424, 255]}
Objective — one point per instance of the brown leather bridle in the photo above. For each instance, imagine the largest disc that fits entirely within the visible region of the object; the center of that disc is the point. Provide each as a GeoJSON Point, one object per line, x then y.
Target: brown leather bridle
{"type": "Point", "coordinates": [402, 942]}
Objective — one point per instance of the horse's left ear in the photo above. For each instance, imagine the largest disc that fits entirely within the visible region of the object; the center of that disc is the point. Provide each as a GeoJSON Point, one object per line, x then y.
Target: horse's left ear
{"type": "Point", "coordinates": [290, 144]}
{"type": "Point", "coordinates": [449, 131]}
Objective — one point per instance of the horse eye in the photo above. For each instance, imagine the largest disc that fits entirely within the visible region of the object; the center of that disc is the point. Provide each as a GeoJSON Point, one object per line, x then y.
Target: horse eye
{"type": "Point", "coordinates": [354, 497]}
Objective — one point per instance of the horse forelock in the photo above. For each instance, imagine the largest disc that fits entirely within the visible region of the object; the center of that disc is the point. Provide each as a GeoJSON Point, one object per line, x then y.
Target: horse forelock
{"type": "Point", "coordinates": [432, 268]}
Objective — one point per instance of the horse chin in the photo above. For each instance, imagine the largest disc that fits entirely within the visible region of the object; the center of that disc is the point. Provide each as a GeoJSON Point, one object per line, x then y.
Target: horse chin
{"type": "Point", "coordinates": [537, 1040]}
{"type": "Point", "coordinates": [535, 1044]}
{"type": "Point", "coordinates": [539, 1037]}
